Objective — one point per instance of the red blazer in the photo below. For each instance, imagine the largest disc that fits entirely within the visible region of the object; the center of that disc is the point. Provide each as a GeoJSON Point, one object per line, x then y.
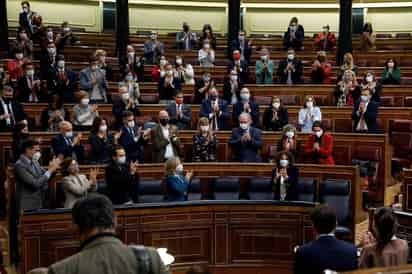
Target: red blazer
{"type": "Point", "coordinates": [324, 155]}
{"type": "Point", "coordinates": [331, 45]}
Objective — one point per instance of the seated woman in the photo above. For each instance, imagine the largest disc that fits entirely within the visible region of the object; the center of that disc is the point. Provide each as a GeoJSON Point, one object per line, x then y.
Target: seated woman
{"type": "Point", "coordinates": [381, 247]}
{"type": "Point", "coordinates": [289, 141]}
{"type": "Point", "coordinates": [308, 114]}
{"type": "Point", "coordinates": [184, 71]}
{"type": "Point", "coordinates": [54, 114]}
{"type": "Point", "coordinates": [76, 185]}
{"type": "Point", "coordinates": [84, 113]}
{"type": "Point", "coordinates": [348, 64]}
{"type": "Point", "coordinates": [204, 143]}
{"type": "Point", "coordinates": [375, 87]}
{"type": "Point", "coordinates": [321, 69]}
{"type": "Point", "coordinates": [275, 115]}
{"type": "Point", "coordinates": [101, 142]}
{"type": "Point", "coordinates": [177, 183]}
{"type": "Point", "coordinates": [391, 73]}
{"type": "Point", "coordinates": [347, 90]}
{"type": "Point", "coordinates": [285, 178]}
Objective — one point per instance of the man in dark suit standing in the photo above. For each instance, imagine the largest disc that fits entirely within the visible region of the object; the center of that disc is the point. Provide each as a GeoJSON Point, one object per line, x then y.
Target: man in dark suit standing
{"type": "Point", "coordinates": [243, 45]}
{"type": "Point", "coordinates": [66, 144]}
{"type": "Point", "coordinates": [122, 178]}
{"type": "Point", "coordinates": [125, 103]}
{"type": "Point", "coordinates": [215, 110]}
{"type": "Point", "coordinates": [29, 85]}
{"type": "Point", "coordinates": [132, 63]}
{"type": "Point", "coordinates": [186, 39]}
{"type": "Point", "coordinates": [240, 66]}
{"type": "Point", "coordinates": [180, 114]}
{"type": "Point", "coordinates": [132, 138]}
{"type": "Point", "coordinates": [290, 71]}
{"type": "Point", "coordinates": [365, 113]}
{"type": "Point", "coordinates": [246, 140]}
{"type": "Point", "coordinates": [246, 104]}
{"type": "Point", "coordinates": [11, 111]}
{"type": "Point", "coordinates": [62, 81]}
{"type": "Point", "coordinates": [25, 18]}
{"type": "Point", "coordinates": [326, 252]}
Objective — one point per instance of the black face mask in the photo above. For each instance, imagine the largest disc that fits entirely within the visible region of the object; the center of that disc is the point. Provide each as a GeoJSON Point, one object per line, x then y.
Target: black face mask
{"type": "Point", "coordinates": [185, 28]}
{"type": "Point", "coordinates": [7, 99]}
{"type": "Point", "coordinates": [164, 122]}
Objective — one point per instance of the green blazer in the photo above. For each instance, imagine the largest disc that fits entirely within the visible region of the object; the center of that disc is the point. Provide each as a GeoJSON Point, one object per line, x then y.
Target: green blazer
{"type": "Point", "coordinates": [264, 76]}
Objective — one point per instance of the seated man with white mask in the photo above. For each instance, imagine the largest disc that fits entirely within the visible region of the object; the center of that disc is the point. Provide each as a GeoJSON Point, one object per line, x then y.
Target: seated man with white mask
{"type": "Point", "coordinates": [247, 105]}
{"type": "Point", "coordinates": [246, 140]}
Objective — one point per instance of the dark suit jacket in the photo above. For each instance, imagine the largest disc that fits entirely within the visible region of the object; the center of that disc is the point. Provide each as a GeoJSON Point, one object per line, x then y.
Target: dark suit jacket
{"type": "Point", "coordinates": [247, 50]}
{"type": "Point", "coordinates": [238, 109]}
{"type": "Point", "coordinates": [120, 183]}
{"type": "Point", "coordinates": [185, 122]}
{"type": "Point", "coordinates": [327, 252]}
{"type": "Point", "coordinates": [25, 92]}
{"type": "Point", "coordinates": [65, 88]}
{"type": "Point", "coordinates": [134, 147]}
{"type": "Point", "coordinates": [176, 188]}
{"type": "Point", "coordinates": [199, 97]}
{"type": "Point", "coordinates": [277, 125]}
{"type": "Point", "coordinates": [18, 113]}
{"type": "Point", "coordinates": [159, 144]}
{"type": "Point", "coordinates": [100, 148]}
{"type": "Point", "coordinates": [46, 63]}
{"type": "Point", "coordinates": [24, 22]}
{"type": "Point", "coordinates": [297, 76]}
{"type": "Point", "coordinates": [136, 67]}
{"type": "Point", "coordinates": [243, 72]}
{"type": "Point", "coordinates": [61, 147]}
{"type": "Point", "coordinates": [227, 90]}
{"type": "Point", "coordinates": [292, 181]}
{"type": "Point", "coordinates": [167, 93]}
{"type": "Point", "coordinates": [206, 109]}
{"type": "Point", "coordinates": [296, 43]}
{"type": "Point", "coordinates": [370, 116]}
{"type": "Point", "coordinates": [246, 151]}
{"type": "Point", "coordinates": [118, 108]}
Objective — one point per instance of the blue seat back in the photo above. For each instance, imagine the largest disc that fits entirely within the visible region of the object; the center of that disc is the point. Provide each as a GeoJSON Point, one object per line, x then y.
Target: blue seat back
{"type": "Point", "coordinates": [336, 194]}
{"type": "Point", "coordinates": [151, 191]}
{"type": "Point", "coordinates": [227, 188]}
{"type": "Point", "coordinates": [260, 188]}
{"type": "Point", "coordinates": [305, 189]}
{"type": "Point", "coordinates": [194, 190]}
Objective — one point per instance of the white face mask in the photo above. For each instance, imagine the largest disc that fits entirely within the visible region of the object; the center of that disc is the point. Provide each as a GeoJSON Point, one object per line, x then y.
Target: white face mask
{"type": "Point", "coordinates": [49, 34]}
{"type": "Point", "coordinates": [276, 105]}
{"type": "Point", "coordinates": [309, 104]}
{"type": "Point", "coordinates": [125, 96]}
{"type": "Point", "coordinates": [364, 98]}
{"type": "Point", "coordinates": [66, 30]}
{"type": "Point", "coordinates": [290, 134]}
{"type": "Point", "coordinates": [369, 78]}
{"type": "Point", "coordinates": [263, 58]}
{"type": "Point", "coordinates": [169, 72]}
{"type": "Point", "coordinates": [283, 163]}
{"type": "Point", "coordinates": [179, 61]}
{"type": "Point", "coordinates": [121, 160]}
{"type": "Point", "coordinates": [244, 126]}
{"type": "Point", "coordinates": [163, 62]}
{"type": "Point", "coordinates": [206, 46]}
{"type": "Point", "coordinates": [153, 36]}
{"type": "Point", "coordinates": [179, 168]}
{"type": "Point", "coordinates": [130, 54]}
{"type": "Point", "coordinates": [103, 128]}
{"type": "Point", "coordinates": [131, 124]}
{"type": "Point", "coordinates": [25, 9]}
{"type": "Point", "coordinates": [51, 51]}
{"type": "Point", "coordinates": [129, 78]}
{"type": "Point", "coordinates": [233, 77]}
{"type": "Point", "coordinates": [30, 72]}
{"type": "Point", "coordinates": [245, 96]}
{"type": "Point", "coordinates": [293, 28]}
{"type": "Point", "coordinates": [291, 57]}
{"type": "Point", "coordinates": [36, 156]}
{"type": "Point", "coordinates": [60, 64]}
{"type": "Point", "coordinates": [19, 56]}
{"type": "Point", "coordinates": [319, 133]}
{"type": "Point", "coordinates": [69, 134]}
{"type": "Point", "coordinates": [204, 128]}
{"type": "Point", "coordinates": [85, 101]}
{"type": "Point", "coordinates": [94, 67]}
{"type": "Point", "coordinates": [391, 65]}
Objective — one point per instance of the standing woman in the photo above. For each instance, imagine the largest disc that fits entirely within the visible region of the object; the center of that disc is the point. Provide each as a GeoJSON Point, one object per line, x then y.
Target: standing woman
{"type": "Point", "coordinates": [309, 114]}
{"type": "Point", "coordinates": [204, 143]}
{"type": "Point", "coordinates": [367, 39]}
{"type": "Point", "coordinates": [285, 178]}
{"type": "Point", "coordinates": [177, 183]}
{"type": "Point", "coordinates": [289, 141]}
{"type": "Point", "coordinates": [207, 34]}
{"type": "Point", "coordinates": [381, 246]}
{"type": "Point", "coordinates": [101, 142]}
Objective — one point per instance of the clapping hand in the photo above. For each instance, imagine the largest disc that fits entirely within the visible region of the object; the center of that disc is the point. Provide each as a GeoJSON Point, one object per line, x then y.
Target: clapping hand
{"type": "Point", "coordinates": [316, 146]}
{"type": "Point", "coordinates": [189, 175]}
{"type": "Point", "coordinates": [93, 175]}
{"type": "Point", "coordinates": [77, 139]}
{"type": "Point", "coordinates": [133, 167]}
{"type": "Point", "coordinates": [54, 164]}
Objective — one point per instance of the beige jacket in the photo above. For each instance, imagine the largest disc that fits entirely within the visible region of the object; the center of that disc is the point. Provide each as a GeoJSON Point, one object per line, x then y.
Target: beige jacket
{"type": "Point", "coordinates": [395, 253]}
{"type": "Point", "coordinates": [76, 187]}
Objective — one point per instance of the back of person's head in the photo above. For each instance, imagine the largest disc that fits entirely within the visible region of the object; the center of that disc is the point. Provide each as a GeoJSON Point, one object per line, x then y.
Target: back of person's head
{"type": "Point", "coordinates": [384, 225]}
{"type": "Point", "coordinates": [65, 165]}
{"type": "Point", "coordinates": [171, 165]}
{"type": "Point", "coordinates": [29, 144]}
{"type": "Point", "coordinates": [323, 220]}
{"type": "Point", "coordinates": [93, 212]}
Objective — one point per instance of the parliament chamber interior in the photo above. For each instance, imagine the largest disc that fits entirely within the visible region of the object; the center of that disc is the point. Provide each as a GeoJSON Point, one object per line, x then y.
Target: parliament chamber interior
{"type": "Point", "coordinates": [217, 136]}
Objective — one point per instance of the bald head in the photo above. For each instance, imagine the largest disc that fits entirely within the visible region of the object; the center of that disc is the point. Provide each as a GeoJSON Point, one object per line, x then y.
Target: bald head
{"type": "Point", "coordinates": [163, 114]}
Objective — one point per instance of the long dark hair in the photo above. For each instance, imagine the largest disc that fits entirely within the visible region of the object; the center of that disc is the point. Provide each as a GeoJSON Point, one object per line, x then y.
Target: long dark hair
{"type": "Point", "coordinates": [96, 124]}
{"type": "Point", "coordinates": [205, 27]}
{"type": "Point", "coordinates": [367, 28]}
{"type": "Point", "coordinates": [385, 225]}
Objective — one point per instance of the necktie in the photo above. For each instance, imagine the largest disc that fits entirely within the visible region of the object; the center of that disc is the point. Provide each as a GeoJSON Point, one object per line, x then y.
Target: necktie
{"type": "Point", "coordinates": [68, 141]}
{"type": "Point", "coordinates": [61, 75]}
{"type": "Point", "coordinates": [33, 91]}
{"type": "Point", "coordinates": [12, 121]}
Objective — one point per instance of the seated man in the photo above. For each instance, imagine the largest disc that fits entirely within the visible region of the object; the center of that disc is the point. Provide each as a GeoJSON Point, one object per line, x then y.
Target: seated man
{"type": "Point", "coordinates": [93, 80]}
{"type": "Point", "coordinates": [246, 104]}
{"type": "Point", "coordinates": [126, 103]}
{"type": "Point", "coordinates": [246, 140]}
{"type": "Point", "coordinates": [31, 178]}
{"type": "Point", "coordinates": [122, 178]}
{"type": "Point", "coordinates": [66, 144]}
{"type": "Point", "coordinates": [326, 252]}
{"type": "Point", "coordinates": [11, 111]}
{"type": "Point", "coordinates": [215, 110]}
{"type": "Point", "coordinates": [62, 81]}
{"type": "Point", "coordinates": [290, 71]}
{"type": "Point", "coordinates": [240, 66]}
{"type": "Point", "coordinates": [180, 114]}
{"type": "Point", "coordinates": [319, 146]}
{"type": "Point", "coordinates": [165, 141]}
{"type": "Point", "coordinates": [365, 113]}
{"type": "Point", "coordinates": [153, 49]}
{"type": "Point", "coordinates": [132, 138]}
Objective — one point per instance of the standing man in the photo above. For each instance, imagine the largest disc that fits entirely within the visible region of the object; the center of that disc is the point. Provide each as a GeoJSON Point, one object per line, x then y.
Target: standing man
{"type": "Point", "coordinates": [153, 49]}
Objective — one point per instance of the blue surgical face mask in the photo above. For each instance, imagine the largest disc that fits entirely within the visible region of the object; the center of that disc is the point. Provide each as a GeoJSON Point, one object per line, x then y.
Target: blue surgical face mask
{"type": "Point", "coordinates": [364, 98]}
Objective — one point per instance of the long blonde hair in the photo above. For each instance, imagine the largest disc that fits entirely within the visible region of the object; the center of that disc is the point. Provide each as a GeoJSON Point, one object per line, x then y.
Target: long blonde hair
{"type": "Point", "coordinates": [171, 165]}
